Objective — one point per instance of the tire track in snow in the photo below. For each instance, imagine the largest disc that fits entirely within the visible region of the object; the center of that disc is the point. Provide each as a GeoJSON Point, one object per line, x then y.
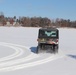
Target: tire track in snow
{"type": "Point", "coordinates": [18, 61]}
{"type": "Point", "coordinates": [30, 64]}
{"type": "Point", "coordinates": [22, 62]}
{"type": "Point", "coordinates": [18, 52]}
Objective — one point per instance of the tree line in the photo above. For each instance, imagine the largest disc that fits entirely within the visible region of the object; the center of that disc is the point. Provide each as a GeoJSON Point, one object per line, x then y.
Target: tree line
{"type": "Point", "coordinates": [36, 21]}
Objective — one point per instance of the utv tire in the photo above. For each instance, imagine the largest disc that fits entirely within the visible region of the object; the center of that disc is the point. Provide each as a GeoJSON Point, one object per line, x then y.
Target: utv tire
{"type": "Point", "coordinates": [38, 49]}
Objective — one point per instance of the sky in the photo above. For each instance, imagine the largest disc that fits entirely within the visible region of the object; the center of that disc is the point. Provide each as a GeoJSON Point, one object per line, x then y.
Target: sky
{"type": "Point", "coordinates": [52, 9]}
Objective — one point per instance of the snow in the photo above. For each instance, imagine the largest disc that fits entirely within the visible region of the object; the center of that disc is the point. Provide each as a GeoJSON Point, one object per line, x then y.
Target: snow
{"type": "Point", "coordinates": [17, 58]}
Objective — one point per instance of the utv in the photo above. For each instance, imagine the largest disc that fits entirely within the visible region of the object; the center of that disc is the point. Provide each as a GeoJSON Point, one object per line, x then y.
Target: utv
{"type": "Point", "coordinates": [48, 38]}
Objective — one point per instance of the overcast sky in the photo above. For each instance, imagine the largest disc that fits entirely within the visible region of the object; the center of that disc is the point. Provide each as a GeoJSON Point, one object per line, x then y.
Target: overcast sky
{"type": "Point", "coordinates": [52, 9]}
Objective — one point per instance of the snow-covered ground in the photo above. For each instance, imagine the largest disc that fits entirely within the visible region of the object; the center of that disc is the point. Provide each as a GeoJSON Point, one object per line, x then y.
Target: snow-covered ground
{"type": "Point", "coordinates": [17, 58]}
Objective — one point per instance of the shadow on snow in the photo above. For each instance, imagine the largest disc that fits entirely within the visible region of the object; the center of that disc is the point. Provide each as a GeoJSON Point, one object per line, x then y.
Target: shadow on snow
{"type": "Point", "coordinates": [33, 49]}
{"type": "Point", "coordinates": [72, 56]}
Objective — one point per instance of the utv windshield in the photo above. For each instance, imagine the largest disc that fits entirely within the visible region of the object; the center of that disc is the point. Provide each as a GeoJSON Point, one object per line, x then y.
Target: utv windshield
{"type": "Point", "coordinates": [48, 34]}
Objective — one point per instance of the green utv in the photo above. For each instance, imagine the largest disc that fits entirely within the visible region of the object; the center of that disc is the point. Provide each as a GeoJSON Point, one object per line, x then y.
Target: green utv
{"type": "Point", "coordinates": [48, 39]}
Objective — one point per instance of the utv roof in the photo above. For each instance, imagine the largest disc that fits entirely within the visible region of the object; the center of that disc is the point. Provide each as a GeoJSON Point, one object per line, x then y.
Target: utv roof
{"type": "Point", "coordinates": [49, 28]}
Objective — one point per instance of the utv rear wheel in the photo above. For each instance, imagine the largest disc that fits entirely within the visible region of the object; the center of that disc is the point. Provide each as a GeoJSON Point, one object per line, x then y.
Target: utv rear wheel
{"type": "Point", "coordinates": [53, 47]}
{"type": "Point", "coordinates": [38, 49]}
